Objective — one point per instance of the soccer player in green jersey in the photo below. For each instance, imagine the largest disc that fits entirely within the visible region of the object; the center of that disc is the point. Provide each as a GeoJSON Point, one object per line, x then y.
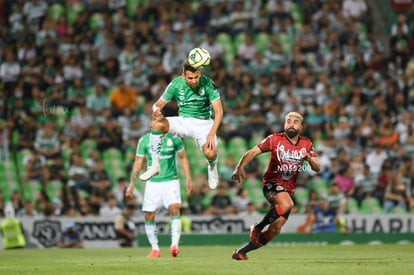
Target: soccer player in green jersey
{"type": "Point", "coordinates": [200, 112]}
{"type": "Point", "coordinates": [163, 189]}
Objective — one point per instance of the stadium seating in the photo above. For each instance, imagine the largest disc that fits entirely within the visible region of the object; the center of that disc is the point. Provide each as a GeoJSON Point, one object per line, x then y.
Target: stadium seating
{"type": "Point", "coordinates": [237, 146]}
{"type": "Point", "coordinates": [255, 139]}
{"type": "Point", "coordinates": [87, 146]}
{"type": "Point", "coordinates": [114, 163]}
{"type": "Point", "coordinates": [254, 190]}
{"type": "Point", "coordinates": [56, 10]}
{"type": "Point", "coordinates": [301, 198]}
{"type": "Point", "coordinates": [286, 42]}
{"type": "Point", "coordinates": [53, 187]}
{"type": "Point", "coordinates": [395, 210]}
{"type": "Point", "coordinates": [132, 6]}
{"type": "Point", "coordinates": [21, 154]}
{"type": "Point", "coordinates": [222, 151]}
{"type": "Point", "coordinates": [226, 41]}
{"type": "Point", "coordinates": [352, 206]}
{"type": "Point", "coordinates": [263, 161]}
{"type": "Point", "coordinates": [319, 185]}
{"type": "Point", "coordinates": [73, 11]}
{"type": "Point", "coordinates": [66, 157]}
{"type": "Point", "coordinates": [30, 190]}
{"type": "Point", "coordinates": [256, 196]}
{"type": "Point", "coordinates": [195, 155]}
{"type": "Point", "coordinates": [262, 41]}
{"type": "Point", "coordinates": [96, 20]}
{"type": "Point", "coordinates": [371, 206]}
{"type": "Point", "coordinates": [297, 16]}
{"type": "Point", "coordinates": [8, 179]}
{"type": "Point", "coordinates": [238, 40]}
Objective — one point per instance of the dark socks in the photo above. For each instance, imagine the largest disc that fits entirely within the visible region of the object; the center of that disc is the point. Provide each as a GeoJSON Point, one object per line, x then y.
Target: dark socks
{"type": "Point", "coordinates": [274, 212]}
{"type": "Point", "coordinates": [248, 247]}
{"type": "Point", "coordinates": [262, 239]}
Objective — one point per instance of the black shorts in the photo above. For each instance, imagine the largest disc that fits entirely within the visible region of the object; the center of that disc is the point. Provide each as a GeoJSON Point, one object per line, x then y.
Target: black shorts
{"type": "Point", "coordinates": [270, 189]}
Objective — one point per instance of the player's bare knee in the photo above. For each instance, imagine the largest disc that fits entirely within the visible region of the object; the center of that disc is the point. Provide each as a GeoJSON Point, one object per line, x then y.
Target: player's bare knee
{"type": "Point", "coordinates": [160, 125]}
{"type": "Point", "coordinates": [276, 231]}
{"type": "Point", "coordinates": [174, 210]}
{"type": "Point", "coordinates": [174, 213]}
{"type": "Point", "coordinates": [149, 216]}
{"type": "Point", "coordinates": [208, 153]}
{"type": "Point", "coordinates": [210, 156]}
{"type": "Point", "coordinates": [285, 203]}
{"type": "Point", "coordinates": [286, 206]}
{"type": "Point", "coordinates": [275, 228]}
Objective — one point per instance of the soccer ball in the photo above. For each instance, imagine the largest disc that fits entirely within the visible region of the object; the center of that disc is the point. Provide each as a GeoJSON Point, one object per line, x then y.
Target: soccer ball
{"type": "Point", "coordinates": [199, 58]}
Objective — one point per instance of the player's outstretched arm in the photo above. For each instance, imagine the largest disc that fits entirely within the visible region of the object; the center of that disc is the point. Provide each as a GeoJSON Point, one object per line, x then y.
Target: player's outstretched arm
{"type": "Point", "coordinates": [247, 157]}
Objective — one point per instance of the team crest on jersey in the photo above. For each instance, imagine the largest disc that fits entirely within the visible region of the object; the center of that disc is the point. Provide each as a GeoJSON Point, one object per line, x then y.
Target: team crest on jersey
{"type": "Point", "coordinates": [169, 142]}
{"type": "Point", "coordinates": [202, 91]}
{"type": "Point", "coordinates": [279, 188]}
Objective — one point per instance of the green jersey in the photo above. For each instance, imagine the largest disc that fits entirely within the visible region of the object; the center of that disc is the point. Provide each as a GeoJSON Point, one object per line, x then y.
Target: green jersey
{"type": "Point", "coordinates": [169, 147]}
{"type": "Point", "coordinates": [194, 103]}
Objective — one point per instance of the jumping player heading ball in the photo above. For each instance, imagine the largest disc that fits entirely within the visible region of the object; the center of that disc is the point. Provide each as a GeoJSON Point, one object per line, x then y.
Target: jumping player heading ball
{"type": "Point", "coordinates": [200, 113]}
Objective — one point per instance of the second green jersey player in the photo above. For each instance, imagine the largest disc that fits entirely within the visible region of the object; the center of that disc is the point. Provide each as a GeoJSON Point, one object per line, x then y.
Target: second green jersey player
{"type": "Point", "coordinates": [200, 113]}
{"type": "Point", "coordinates": [162, 190]}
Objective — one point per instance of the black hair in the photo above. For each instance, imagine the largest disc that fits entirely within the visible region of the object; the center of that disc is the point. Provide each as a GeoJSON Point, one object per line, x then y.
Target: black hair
{"type": "Point", "coordinates": [188, 67]}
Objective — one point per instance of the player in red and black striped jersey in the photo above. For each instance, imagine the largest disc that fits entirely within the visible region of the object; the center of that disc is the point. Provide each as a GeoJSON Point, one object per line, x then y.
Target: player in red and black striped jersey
{"type": "Point", "coordinates": [288, 151]}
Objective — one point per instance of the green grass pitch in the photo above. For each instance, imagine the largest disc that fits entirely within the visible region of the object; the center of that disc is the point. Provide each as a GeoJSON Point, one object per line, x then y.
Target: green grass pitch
{"type": "Point", "coordinates": [329, 259]}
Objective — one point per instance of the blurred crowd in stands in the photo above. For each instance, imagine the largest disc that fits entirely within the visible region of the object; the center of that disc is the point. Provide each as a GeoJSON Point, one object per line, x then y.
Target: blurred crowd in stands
{"type": "Point", "coordinates": [78, 79]}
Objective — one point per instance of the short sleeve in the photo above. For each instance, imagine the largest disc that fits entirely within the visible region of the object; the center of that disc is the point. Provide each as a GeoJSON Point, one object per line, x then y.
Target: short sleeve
{"type": "Point", "coordinates": [178, 144]}
{"type": "Point", "coordinates": [168, 94]}
{"type": "Point", "coordinates": [265, 144]}
{"type": "Point", "coordinates": [311, 150]}
{"type": "Point", "coordinates": [142, 146]}
{"type": "Point", "coordinates": [213, 93]}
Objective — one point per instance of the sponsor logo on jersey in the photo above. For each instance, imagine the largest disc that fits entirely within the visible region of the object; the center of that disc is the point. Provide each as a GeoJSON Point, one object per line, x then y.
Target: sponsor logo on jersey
{"type": "Point", "coordinates": [288, 155]}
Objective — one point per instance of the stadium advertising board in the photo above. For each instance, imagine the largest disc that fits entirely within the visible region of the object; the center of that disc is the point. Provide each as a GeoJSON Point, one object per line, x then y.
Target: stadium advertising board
{"type": "Point", "coordinates": [99, 232]}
